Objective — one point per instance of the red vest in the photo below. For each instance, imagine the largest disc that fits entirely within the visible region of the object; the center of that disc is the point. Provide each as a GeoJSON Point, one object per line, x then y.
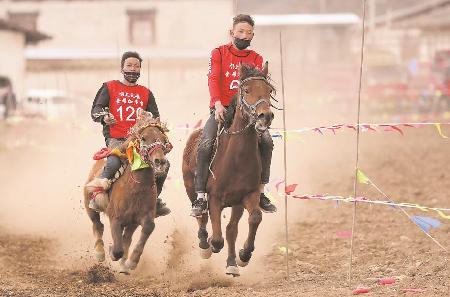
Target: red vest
{"type": "Point", "coordinates": [124, 102]}
{"type": "Point", "coordinates": [223, 76]}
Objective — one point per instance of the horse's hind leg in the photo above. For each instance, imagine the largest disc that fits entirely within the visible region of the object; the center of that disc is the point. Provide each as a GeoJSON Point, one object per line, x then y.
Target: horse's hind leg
{"type": "Point", "coordinates": [232, 232]}
{"type": "Point", "coordinates": [97, 228]}
{"type": "Point", "coordinates": [205, 248]}
{"type": "Point", "coordinates": [251, 203]}
{"type": "Point", "coordinates": [147, 228]}
{"type": "Point", "coordinates": [127, 236]}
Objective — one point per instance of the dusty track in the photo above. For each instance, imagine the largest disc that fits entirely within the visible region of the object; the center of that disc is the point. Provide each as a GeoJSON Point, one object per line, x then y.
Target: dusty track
{"type": "Point", "coordinates": [46, 241]}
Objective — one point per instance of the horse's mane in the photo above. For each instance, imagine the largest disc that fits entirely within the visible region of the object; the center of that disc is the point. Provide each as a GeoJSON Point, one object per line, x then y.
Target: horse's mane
{"type": "Point", "coordinates": [248, 70]}
{"type": "Point", "coordinates": [145, 120]}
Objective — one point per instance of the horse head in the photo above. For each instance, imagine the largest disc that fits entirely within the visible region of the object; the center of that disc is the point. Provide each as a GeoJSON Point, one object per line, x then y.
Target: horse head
{"type": "Point", "coordinates": [151, 141]}
{"type": "Point", "coordinates": [255, 92]}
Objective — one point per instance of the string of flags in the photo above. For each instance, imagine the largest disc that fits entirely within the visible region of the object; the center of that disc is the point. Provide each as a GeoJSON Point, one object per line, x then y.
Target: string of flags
{"type": "Point", "coordinates": [439, 211]}
{"type": "Point", "coordinates": [389, 127]}
{"type": "Point", "coordinates": [423, 222]}
{"type": "Point", "coordinates": [294, 133]}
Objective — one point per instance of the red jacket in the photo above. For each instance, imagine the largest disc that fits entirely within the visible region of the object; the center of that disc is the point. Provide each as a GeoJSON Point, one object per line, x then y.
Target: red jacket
{"type": "Point", "coordinates": [124, 103]}
{"type": "Point", "coordinates": [223, 75]}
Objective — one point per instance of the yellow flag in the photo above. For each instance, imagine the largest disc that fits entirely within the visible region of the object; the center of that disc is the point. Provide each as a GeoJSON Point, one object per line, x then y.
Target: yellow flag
{"type": "Point", "coordinates": [283, 249]}
{"type": "Point", "coordinates": [443, 215]}
{"type": "Point", "coordinates": [362, 178]}
{"type": "Point", "coordinates": [438, 127]}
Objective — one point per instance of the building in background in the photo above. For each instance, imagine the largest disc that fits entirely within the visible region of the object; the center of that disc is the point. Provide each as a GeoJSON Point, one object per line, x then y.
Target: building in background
{"type": "Point", "coordinates": [14, 39]}
{"type": "Point", "coordinates": [404, 40]}
{"type": "Point", "coordinates": [88, 38]}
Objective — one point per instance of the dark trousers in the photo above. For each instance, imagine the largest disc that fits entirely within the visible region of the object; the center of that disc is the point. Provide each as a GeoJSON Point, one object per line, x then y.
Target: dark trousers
{"type": "Point", "coordinates": [205, 151]}
{"type": "Point", "coordinates": [113, 164]}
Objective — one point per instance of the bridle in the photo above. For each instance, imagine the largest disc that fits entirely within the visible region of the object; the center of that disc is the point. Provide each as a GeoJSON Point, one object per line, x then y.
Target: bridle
{"type": "Point", "coordinates": [249, 109]}
{"type": "Point", "coordinates": [145, 150]}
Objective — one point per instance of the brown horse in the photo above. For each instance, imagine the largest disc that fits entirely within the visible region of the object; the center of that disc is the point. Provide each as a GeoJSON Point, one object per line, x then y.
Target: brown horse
{"type": "Point", "coordinates": [236, 168]}
{"type": "Point", "coordinates": [133, 195]}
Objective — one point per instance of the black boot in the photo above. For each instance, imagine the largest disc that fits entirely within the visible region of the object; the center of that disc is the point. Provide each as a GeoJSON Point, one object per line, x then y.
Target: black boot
{"type": "Point", "coordinates": [161, 208]}
{"type": "Point", "coordinates": [265, 204]}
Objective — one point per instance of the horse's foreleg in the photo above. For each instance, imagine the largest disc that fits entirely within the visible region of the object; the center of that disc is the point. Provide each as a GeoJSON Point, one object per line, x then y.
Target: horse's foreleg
{"type": "Point", "coordinates": [97, 228]}
{"type": "Point", "coordinates": [232, 232]}
{"type": "Point", "coordinates": [251, 203]}
{"type": "Point", "coordinates": [116, 251]}
{"type": "Point", "coordinates": [127, 236]}
{"type": "Point", "coordinates": [217, 241]}
{"type": "Point", "coordinates": [147, 228]}
{"type": "Point", "coordinates": [205, 248]}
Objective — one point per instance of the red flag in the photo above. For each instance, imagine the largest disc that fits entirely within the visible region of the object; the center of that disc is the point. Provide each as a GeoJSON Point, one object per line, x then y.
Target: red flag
{"type": "Point", "coordinates": [291, 188]}
{"type": "Point", "coordinates": [361, 291]}
{"type": "Point", "coordinates": [386, 281]}
{"type": "Point", "coordinates": [397, 129]}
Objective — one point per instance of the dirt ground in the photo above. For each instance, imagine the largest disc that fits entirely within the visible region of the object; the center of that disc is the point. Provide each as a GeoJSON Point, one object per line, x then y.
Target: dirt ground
{"type": "Point", "coordinates": [46, 244]}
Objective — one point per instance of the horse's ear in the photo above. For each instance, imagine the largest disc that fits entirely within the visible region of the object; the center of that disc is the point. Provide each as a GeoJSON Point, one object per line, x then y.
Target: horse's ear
{"type": "Point", "coordinates": [265, 70]}
{"type": "Point", "coordinates": [138, 114]}
{"type": "Point", "coordinates": [141, 114]}
{"type": "Point", "coordinates": [242, 69]}
{"type": "Point", "coordinates": [158, 120]}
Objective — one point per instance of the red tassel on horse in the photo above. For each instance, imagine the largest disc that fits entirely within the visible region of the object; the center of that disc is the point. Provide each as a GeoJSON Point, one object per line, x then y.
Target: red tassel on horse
{"type": "Point", "coordinates": [103, 153]}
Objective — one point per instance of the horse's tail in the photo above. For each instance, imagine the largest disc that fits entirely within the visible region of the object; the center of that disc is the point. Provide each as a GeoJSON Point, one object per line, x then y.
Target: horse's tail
{"type": "Point", "coordinates": [190, 162]}
{"type": "Point", "coordinates": [190, 150]}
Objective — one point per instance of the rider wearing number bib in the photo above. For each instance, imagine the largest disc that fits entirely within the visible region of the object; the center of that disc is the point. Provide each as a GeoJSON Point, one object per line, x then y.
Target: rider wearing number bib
{"type": "Point", "coordinates": [223, 82]}
{"type": "Point", "coordinates": [116, 106]}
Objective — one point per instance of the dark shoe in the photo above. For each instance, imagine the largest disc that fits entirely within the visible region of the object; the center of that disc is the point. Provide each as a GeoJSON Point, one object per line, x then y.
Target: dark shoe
{"type": "Point", "coordinates": [265, 204]}
{"type": "Point", "coordinates": [199, 207]}
{"type": "Point", "coordinates": [161, 208]}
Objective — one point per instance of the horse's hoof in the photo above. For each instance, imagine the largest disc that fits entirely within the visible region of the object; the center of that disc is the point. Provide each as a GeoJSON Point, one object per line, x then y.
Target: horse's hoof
{"type": "Point", "coordinates": [240, 262]}
{"type": "Point", "coordinates": [206, 253]}
{"type": "Point", "coordinates": [216, 246]}
{"type": "Point", "coordinates": [111, 254]}
{"type": "Point", "coordinates": [100, 256]}
{"type": "Point", "coordinates": [130, 264]}
{"type": "Point", "coordinates": [243, 258]}
{"type": "Point", "coordinates": [123, 268]}
{"type": "Point", "coordinates": [232, 270]}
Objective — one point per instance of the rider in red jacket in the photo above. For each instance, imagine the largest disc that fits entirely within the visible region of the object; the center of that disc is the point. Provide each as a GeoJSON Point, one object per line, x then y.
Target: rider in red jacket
{"type": "Point", "coordinates": [115, 106]}
{"type": "Point", "coordinates": [223, 82]}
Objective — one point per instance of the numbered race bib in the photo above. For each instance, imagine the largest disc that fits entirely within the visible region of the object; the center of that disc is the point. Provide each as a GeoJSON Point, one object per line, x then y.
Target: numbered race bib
{"type": "Point", "coordinates": [125, 103]}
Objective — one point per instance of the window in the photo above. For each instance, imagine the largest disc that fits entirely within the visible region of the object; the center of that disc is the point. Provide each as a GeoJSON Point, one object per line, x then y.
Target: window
{"type": "Point", "coordinates": [141, 27]}
{"type": "Point", "coordinates": [27, 20]}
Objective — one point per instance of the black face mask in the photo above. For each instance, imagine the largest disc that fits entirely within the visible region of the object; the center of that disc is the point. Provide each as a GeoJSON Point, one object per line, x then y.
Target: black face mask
{"type": "Point", "coordinates": [131, 77]}
{"type": "Point", "coordinates": [241, 43]}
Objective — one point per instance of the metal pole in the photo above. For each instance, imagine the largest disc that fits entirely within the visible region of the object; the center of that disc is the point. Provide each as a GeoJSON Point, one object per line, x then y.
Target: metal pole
{"type": "Point", "coordinates": [355, 185]}
{"type": "Point", "coordinates": [284, 161]}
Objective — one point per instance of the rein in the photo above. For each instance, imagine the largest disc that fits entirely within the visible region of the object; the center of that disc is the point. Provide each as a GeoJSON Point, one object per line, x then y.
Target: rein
{"type": "Point", "coordinates": [250, 109]}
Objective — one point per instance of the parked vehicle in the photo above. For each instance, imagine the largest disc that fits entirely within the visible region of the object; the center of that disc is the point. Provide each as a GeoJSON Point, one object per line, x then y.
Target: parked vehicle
{"type": "Point", "coordinates": [50, 104]}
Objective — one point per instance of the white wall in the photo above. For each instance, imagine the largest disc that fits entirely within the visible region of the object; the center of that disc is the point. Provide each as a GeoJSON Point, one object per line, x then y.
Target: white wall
{"type": "Point", "coordinates": [104, 24]}
{"type": "Point", "coordinates": [12, 59]}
